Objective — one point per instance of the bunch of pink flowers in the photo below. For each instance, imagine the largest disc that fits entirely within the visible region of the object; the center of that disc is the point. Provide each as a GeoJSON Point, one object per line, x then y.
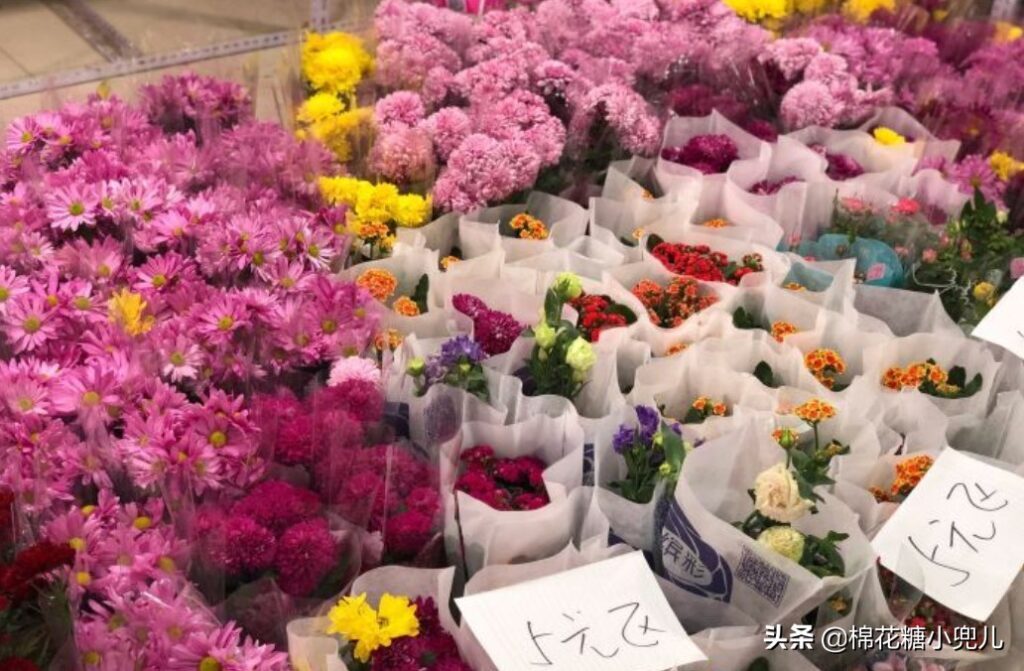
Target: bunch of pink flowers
{"type": "Point", "coordinates": [158, 262]}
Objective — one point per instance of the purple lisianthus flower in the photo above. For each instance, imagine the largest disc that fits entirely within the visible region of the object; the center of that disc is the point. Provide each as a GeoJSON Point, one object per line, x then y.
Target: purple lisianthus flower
{"type": "Point", "coordinates": [461, 348]}
{"type": "Point", "coordinates": [649, 420]}
{"type": "Point", "coordinates": [623, 439]}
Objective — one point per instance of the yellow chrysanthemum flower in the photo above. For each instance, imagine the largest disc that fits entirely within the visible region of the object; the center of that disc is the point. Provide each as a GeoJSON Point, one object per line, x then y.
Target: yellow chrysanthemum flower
{"type": "Point", "coordinates": [756, 11]}
{"type": "Point", "coordinates": [355, 620]}
{"type": "Point", "coordinates": [335, 62]}
{"type": "Point", "coordinates": [1005, 166]}
{"type": "Point", "coordinates": [320, 106]}
{"type": "Point", "coordinates": [376, 202]}
{"type": "Point", "coordinates": [411, 210]}
{"type": "Point", "coordinates": [861, 10]}
{"type": "Point", "coordinates": [888, 137]}
{"type": "Point", "coordinates": [340, 190]}
{"type": "Point", "coordinates": [128, 310]}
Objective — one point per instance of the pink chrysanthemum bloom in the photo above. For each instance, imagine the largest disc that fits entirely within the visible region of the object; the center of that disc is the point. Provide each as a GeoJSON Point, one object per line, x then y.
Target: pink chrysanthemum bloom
{"type": "Point", "coordinates": [403, 155]}
{"type": "Point", "coordinates": [359, 397]}
{"type": "Point", "coordinates": [402, 108]}
{"type": "Point", "coordinates": [29, 323]}
{"type": "Point", "coordinates": [447, 127]}
{"type": "Point", "coordinates": [224, 649]}
{"type": "Point", "coordinates": [12, 285]}
{"type": "Point", "coordinates": [91, 393]}
{"type": "Point", "coordinates": [71, 207]}
{"type": "Point", "coordinates": [809, 103]}
{"type": "Point", "coordinates": [306, 553]}
{"type": "Point", "coordinates": [353, 368]}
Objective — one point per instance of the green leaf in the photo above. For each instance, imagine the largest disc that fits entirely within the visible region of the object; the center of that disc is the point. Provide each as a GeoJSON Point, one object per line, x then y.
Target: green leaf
{"type": "Point", "coordinates": [552, 307]}
{"type": "Point", "coordinates": [765, 375]}
{"type": "Point", "coordinates": [759, 664]}
{"type": "Point", "coordinates": [419, 294]}
{"type": "Point", "coordinates": [653, 240]}
{"type": "Point", "coordinates": [693, 416]}
{"type": "Point", "coordinates": [742, 319]}
{"type": "Point", "coordinates": [957, 376]}
{"type": "Point", "coordinates": [619, 309]}
{"type": "Point", "coordinates": [972, 387]}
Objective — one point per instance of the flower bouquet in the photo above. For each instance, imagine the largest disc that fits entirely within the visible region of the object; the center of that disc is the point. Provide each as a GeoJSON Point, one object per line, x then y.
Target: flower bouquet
{"type": "Point", "coordinates": [383, 285]}
{"type": "Point", "coordinates": [495, 330]}
{"type": "Point", "coordinates": [671, 305]}
{"type": "Point", "coordinates": [782, 560]}
{"type": "Point", "coordinates": [35, 616]}
{"type": "Point", "coordinates": [511, 491]}
{"type": "Point", "coordinates": [561, 356]}
{"type": "Point", "coordinates": [955, 373]}
{"type": "Point", "coordinates": [456, 365]}
{"type": "Point", "coordinates": [373, 214]}
{"type": "Point", "coordinates": [542, 224]}
{"type": "Point", "coordinates": [598, 313]}
{"type": "Point", "coordinates": [702, 263]}
{"type": "Point", "coordinates": [396, 619]}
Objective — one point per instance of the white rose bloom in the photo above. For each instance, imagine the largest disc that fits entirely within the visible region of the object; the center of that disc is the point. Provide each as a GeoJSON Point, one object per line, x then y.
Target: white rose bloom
{"type": "Point", "coordinates": [777, 496]}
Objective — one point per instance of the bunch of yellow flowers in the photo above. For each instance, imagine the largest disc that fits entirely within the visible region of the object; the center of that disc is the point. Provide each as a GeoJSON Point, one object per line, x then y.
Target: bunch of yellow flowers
{"type": "Point", "coordinates": [375, 211]}
{"type": "Point", "coordinates": [772, 13]}
{"type": "Point", "coordinates": [369, 629]}
{"type": "Point", "coordinates": [334, 64]}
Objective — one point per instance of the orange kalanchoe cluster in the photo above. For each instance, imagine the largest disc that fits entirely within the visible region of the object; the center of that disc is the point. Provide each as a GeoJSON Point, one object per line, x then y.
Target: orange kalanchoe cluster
{"type": "Point", "coordinates": [674, 304]}
{"type": "Point", "coordinates": [527, 227]}
{"type": "Point", "coordinates": [781, 329]}
{"type": "Point", "coordinates": [916, 374]}
{"type": "Point", "coordinates": [405, 306]}
{"type": "Point", "coordinates": [826, 365]}
{"type": "Point", "coordinates": [908, 474]}
{"type": "Point", "coordinates": [702, 403]}
{"type": "Point", "coordinates": [639, 232]}
{"type": "Point", "coordinates": [676, 348]}
{"type": "Point", "coordinates": [815, 411]}
{"type": "Point", "coordinates": [388, 339]}
{"type": "Point", "coordinates": [717, 222]}
{"type": "Point", "coordinates": [794, 286]}
{"type": "Point", "coordinates": [448, 261]}
{"type": "Point", "coordinates": [379, 282]}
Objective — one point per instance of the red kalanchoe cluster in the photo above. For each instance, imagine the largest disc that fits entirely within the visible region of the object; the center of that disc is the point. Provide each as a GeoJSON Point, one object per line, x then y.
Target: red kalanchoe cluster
{"type": "Point", "coordinates": [493, 329]}
{"type": "Point", "coordinates": [702, 263]}
{"type": "Point", "coordinates": [599, 313]}
{"type": "Point", "coordinates": [674, 304]}
{"type": "Point", "coordinates": [389, 491]}
{"type": "Point", "coordinates": [927, 613]}
{"type": "Point", "coordinates": [708, 153]}
{"type": "Point", "coordinates": [433, 649]}
{"type": "Point", "coordinates": [503, 484]}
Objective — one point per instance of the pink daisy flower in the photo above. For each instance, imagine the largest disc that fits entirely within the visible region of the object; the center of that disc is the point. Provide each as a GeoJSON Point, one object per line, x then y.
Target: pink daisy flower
{"type": "Point", "coordinates": [29, 323]}
{"type": "Point", "coordinates": [72, 206]}
{"type": "Point", "coordinates": [12, 285]}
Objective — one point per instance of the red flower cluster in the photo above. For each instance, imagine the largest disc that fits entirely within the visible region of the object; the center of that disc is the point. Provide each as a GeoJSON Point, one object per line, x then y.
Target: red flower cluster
{"type": "Point", "coordinates": [30, 570]}
{"type": "Point", "coordinates": [703, 263]}
{"type": "Point", "coordinates": [675, 303]}
{"type": "Point", "coordinates": [596, 315]}
{"type": "Point", "coordinates": [503, 484]}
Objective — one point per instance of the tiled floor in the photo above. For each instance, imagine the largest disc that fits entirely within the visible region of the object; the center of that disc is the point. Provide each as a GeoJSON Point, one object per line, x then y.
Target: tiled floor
{"type": "Point", "coordinates": [38, 42]}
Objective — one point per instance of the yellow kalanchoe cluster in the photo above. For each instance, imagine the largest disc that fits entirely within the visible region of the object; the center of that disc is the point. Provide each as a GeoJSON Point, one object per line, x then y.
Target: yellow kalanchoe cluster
{"type": "Point", "coordinates": [888, 137]}
{"type": "Point", "coordinates": [333, 64]}
{"type": "Point", "coordinates": [375, 211]}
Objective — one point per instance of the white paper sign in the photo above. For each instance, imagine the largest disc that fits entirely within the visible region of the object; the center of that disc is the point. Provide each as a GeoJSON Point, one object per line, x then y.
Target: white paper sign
{"type": "Point", "coordinates": [606, 616]}
{"type": "Point", "coordinates": [1004, 324]}
{"type": "Point", "coordinates": [957, 537]}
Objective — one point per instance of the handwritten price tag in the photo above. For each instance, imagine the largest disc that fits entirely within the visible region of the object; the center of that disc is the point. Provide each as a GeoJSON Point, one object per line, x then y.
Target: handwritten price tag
{"type": "Point", "coordinates": [957, 536]}
{"type": "Point", "coordinates": [1004, 324]}
{"type": "Point", "coordinates": [606, 616]}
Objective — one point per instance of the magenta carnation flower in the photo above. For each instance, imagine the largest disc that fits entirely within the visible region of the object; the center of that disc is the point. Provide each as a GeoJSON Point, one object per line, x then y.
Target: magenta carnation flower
{"type": "Point", "coordinates": [277, 505]}
{"type": "Point", "coordinates": [360, 398]}
{"type": "Point", "coordinates": [248, 546]}
{"type": "Point", "coordinates": [306, 553]}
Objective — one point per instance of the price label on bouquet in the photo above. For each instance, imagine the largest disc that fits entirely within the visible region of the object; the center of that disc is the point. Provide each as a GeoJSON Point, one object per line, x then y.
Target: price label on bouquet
{"type": "Point", "coordinates": [957, 536]}
{"type": "Point", "coordinates": [1004, 324]}
{"type": "Point", "coordinates": [606, 616]}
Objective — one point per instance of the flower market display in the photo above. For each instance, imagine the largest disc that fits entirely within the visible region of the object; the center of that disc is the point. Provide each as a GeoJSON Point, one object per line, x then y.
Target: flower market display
{"type": "Point", "coordinates": [524, 287]}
